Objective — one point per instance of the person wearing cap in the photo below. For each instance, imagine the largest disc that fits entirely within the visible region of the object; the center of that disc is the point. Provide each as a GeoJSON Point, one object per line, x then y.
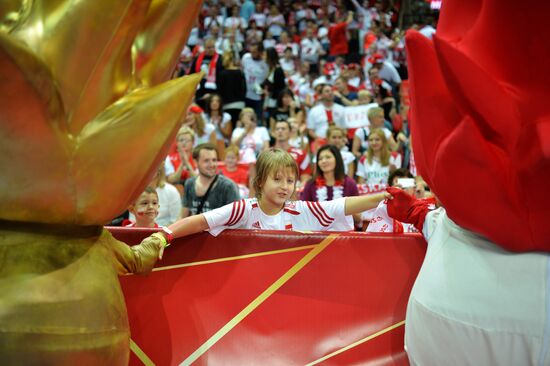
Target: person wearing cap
{"type": "Point", "coordinates": [386, 70]}
{"type": "Point", "coordinates": [204, 132]}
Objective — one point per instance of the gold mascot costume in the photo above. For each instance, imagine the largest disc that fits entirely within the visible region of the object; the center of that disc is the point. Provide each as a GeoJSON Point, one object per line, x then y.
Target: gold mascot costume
{"type": "Point", "coordinates": [86, 114]}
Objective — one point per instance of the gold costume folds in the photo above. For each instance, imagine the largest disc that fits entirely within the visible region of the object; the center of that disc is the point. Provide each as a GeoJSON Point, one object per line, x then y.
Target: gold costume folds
{"type": "Point", "coordinates": [85, 118]}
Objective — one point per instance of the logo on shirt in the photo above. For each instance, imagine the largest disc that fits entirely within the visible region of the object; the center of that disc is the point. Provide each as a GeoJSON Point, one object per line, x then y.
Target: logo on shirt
{"type": "Point", "coordinates": [256, 225]}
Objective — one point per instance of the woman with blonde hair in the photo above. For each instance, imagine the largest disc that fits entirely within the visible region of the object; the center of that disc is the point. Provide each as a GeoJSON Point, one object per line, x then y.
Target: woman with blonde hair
{"type": "Point", "coordinates": [378, 161]}
{"type": "Point", "coordinates": [375, 116]}
{"type": "Point", "coordinates": [204, 132]}
{"type": "Point", "coordinates": [179, 164]}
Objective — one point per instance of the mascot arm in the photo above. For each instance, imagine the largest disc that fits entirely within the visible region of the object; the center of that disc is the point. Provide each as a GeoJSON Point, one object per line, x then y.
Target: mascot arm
{"type": "Point", "coordinates": [406, 208]}
{"type": "Point", "coordinates": [138, 259]}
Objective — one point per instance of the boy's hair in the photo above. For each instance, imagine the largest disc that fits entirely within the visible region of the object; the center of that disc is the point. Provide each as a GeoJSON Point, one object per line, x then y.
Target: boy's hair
{"type": "Point", "coordinates": [268, 163]}
{"type": "Point", "coordinates": [147, 189]}
{"type": "Point", "coordinates": [150, 189]}
{"type": "Point", "coordinates": [206, 146]}
{"type": "Point", "coordinates": [335, 128]}
{"type": "Point", "coordinates": [232, 149]}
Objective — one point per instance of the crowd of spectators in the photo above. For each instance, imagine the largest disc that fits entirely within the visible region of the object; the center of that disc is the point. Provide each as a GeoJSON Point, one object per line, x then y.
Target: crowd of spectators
{"type": "Point", "coordinates": [292, 75]}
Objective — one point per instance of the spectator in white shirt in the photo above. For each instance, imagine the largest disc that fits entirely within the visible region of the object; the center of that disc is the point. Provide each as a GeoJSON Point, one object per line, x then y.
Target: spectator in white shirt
{"type": "Point", "coordinates": [250, 138]}
{"type": "Point", "coordinates": [311, 50]}
{"type": "Point", "coordinates": [259, 16]}
{"type": "Point", "coordinates": [235, 23]}
{"type": "Point", "coordinates": [324, 114]}
{"type": "Point", "coordinates": [255, 71]}
{"type": "Point", "coordinates": [275, 22]}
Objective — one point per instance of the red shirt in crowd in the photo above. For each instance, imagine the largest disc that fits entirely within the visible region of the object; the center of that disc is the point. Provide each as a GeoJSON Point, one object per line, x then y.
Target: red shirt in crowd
{"type": "Point", "coordinates": [338, 39]}
{"type": "Point", "coordinates": [176, 161]}
{"type": "Point", "coordinates": [239, 176]}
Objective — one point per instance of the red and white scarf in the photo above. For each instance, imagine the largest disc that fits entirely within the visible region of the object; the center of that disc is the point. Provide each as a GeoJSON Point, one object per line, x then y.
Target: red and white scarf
{"type": "Point", "coordinates": [321, 191]}
{"type": "Point", "coordinates": [211, 76]}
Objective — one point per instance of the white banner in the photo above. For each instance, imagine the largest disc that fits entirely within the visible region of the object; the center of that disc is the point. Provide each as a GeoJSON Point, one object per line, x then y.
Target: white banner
{"type": "Point", "coordinates": [357, 116]}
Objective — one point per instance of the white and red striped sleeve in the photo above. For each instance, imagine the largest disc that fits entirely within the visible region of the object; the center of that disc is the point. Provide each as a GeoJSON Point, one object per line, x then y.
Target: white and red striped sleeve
{"type": "Point", "coordinates": [231, 216]}
{"type": "Point", "coordinates": [324, 216]}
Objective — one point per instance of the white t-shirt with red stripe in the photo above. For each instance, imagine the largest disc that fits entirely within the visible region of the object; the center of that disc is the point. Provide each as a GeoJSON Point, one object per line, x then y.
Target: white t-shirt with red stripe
{"type": "Point", "coordinates": [317, 118]}
{"type": "Point", "coordinates": [296, 215]}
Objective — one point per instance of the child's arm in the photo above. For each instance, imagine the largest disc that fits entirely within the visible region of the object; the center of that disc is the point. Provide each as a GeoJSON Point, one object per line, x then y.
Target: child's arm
{"type": "Point", "coordinates": [358, 204]}
{"type": "Point", "coordinates": [189, 225]}
{"type": "Point", "coordinates": [186, 226]}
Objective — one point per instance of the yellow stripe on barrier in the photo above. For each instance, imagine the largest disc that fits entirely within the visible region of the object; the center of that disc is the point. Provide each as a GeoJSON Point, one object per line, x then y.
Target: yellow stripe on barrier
{"type": "Point", "coordinates": [318, 248]}
{"type": "Point", "coordinates": [366, 339]}
{"type": "Point", "coordinates": [140, 354]}
{"type": "Point", "coordinates": [226, 259]}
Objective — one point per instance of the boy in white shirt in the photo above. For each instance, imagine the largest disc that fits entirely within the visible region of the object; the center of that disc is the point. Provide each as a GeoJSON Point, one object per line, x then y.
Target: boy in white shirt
{"type": "Point", "coordinates": [275, 183]}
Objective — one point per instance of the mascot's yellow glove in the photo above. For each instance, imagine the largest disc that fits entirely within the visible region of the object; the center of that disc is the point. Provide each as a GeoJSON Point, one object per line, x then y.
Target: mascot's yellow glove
{"type": "Point", "coordinates": [165, 236]}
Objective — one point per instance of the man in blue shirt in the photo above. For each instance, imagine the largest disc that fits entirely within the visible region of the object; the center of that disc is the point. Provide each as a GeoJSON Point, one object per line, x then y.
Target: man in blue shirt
{"type": "Point", "coordinates": [247, 9]}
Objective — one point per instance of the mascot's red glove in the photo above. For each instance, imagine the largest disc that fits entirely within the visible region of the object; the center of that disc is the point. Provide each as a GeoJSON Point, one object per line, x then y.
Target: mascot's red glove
{"type": "Point", "coordinates": [406, 208]}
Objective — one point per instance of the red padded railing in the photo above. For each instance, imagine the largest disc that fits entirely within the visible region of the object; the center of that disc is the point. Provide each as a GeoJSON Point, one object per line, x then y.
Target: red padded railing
{"type": "Point", "coordinates": [252, 297]}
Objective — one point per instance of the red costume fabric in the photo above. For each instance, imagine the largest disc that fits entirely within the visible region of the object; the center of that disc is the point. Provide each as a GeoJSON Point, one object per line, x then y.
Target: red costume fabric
{"type": "Point", "coordinates": [406, 208]}
{"type": "Point", "coordinates": [480, 119]}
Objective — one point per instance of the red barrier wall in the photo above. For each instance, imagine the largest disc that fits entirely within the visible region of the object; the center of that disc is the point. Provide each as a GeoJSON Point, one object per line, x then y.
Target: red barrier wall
{"type": "Point", "coordinates": [273, 298]}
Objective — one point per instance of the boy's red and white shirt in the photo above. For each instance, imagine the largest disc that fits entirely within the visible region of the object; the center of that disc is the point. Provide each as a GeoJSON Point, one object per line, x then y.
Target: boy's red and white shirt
{"type": "Point", "coordinates": [296, 215]}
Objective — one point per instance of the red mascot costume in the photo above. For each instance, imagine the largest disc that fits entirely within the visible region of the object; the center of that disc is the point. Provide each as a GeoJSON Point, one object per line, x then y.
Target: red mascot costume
{"type": "Point", "coordinates": [481, 127]}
